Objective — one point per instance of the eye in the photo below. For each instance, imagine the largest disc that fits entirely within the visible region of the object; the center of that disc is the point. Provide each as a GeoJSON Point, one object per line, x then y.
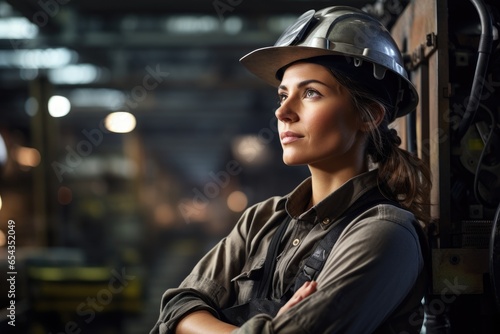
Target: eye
{"type": "Point", "coordinates": [309, 93]}
{"type": "Point", "coordinates": [281, 98]}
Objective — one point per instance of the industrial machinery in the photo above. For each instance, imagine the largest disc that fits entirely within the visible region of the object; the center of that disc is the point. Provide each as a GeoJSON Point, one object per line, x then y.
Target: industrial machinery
{"type": "Point", "coordinates": [453, 56]}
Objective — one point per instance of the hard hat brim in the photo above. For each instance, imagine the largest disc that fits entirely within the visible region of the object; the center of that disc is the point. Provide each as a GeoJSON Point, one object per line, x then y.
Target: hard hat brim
{"type": "Point", "coordinates": [266, 62]}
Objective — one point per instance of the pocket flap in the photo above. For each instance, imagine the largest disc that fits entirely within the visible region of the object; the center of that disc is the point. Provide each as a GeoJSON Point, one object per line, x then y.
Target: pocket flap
{"type": "Point", "coordinates": [250, 271]}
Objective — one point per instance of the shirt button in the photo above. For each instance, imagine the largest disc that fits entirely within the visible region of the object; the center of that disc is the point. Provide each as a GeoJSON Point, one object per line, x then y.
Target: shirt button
{"type": "Point", "coordinates": [296, 242]}
{"type": "Point", "coordinates": [326, 221]}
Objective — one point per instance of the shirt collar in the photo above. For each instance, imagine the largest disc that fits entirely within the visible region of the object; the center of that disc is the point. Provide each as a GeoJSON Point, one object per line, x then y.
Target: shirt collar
{"type": "Point", "coordinates": [330, 208]}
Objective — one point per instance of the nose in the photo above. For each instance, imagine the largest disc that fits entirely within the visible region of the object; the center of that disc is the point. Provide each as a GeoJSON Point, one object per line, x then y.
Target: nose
{"type": "Point", "coordinates": [286, 112]}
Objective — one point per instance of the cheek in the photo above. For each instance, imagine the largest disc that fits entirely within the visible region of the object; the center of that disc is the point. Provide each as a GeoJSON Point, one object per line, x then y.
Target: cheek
{"type": "Point", "coordinates": [326, 121]}
{"type": "Point", "coordinates": [336, 126]}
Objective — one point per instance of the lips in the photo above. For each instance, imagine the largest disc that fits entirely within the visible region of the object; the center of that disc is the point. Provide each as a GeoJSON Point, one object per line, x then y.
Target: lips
{"type": "Point", "coordinates": [288, 137]}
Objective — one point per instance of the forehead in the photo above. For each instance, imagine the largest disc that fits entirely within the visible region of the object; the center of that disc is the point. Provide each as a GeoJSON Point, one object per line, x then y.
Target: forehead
{"type": "Point", "coordinates": [302, 71]}
{"type": "Point", "coordinates": [310, 70]}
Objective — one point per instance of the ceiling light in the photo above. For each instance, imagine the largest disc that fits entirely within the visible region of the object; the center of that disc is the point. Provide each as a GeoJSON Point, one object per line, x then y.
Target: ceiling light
{"type": "Point", "coordinates": [17, 28]}
{"type": "Point", "coordinates": [233, 25]}
{"type": "Point", "coordinates": [77, 74]}
{"type": "Point", "coordinates": [106, 98]}
{"type": "Point", "coordinates": [192, 24]}
{"type": "Point", "coordinates": [120, 122]}
{"type": "Point", "coordinates": [37, 58]}
{"type": "Point", "coordinates": [59, 106]}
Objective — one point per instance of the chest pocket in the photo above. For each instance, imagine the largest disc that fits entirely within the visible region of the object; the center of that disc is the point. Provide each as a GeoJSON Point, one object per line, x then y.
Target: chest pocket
{"type": "Point", "coordinates": [245, 281]}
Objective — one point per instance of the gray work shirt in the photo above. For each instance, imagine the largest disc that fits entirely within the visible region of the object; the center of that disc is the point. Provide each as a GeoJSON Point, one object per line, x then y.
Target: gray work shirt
{"type": "Point", "coordinates": [373, 275]}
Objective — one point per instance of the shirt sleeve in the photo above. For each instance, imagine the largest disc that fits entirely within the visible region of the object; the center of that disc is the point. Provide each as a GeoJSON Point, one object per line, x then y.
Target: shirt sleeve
{"type": "Point", "coordinates": [209, 286]}
{"type": "Point", "coordinates": [371, 269]}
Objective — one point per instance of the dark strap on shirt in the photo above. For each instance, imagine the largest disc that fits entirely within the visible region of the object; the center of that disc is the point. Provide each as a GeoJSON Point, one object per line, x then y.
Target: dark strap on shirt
{"type": "Point", "coordinates": [259, 301]}
{"type": "Point", "coordinates": [264, 285]}
{"type": "Point", "coordinates": [316, 261]}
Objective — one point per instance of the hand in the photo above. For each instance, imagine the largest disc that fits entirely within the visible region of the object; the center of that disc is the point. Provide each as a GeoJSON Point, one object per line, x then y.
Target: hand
{"type": "Point", "coordinates": [308, 288]}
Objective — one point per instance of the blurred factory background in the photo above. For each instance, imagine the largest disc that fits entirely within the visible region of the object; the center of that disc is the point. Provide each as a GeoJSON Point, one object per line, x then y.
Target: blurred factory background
{"type": "Point", "coordinates": [131, 139]}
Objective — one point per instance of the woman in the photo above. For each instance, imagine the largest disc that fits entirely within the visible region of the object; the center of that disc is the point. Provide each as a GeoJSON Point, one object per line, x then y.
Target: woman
{"type": "Point", "coordinates": [340, 83]}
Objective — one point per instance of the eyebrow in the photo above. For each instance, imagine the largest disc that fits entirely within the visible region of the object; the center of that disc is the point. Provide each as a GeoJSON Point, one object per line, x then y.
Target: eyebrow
{"type": "Point", "coordinates": [304, 83]}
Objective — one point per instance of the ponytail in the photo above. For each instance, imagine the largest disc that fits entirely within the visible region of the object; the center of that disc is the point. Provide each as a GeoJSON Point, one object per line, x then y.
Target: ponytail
{"type": "Point", "coordinates": [402, 175]}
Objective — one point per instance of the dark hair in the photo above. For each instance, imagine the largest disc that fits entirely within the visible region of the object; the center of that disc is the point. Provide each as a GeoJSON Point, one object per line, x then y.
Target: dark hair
{"type": "Point", "coordinates": [402, 175]}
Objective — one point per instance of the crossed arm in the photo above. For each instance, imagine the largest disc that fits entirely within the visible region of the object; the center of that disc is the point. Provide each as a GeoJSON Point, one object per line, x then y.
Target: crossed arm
{"type": "Point", "coordinates": [204, 322]}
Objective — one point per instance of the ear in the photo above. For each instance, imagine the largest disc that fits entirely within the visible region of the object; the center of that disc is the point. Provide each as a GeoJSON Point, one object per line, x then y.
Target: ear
{"type": "Point", "coordinates": [376, 116]}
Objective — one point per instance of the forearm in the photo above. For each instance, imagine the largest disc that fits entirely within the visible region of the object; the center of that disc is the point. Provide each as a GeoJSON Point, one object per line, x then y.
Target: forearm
{"type": "Point", "coordinates": [203, 322]}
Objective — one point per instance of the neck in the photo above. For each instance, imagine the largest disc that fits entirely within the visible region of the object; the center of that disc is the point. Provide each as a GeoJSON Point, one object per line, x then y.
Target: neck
{"type": "Point", "coordinates": [325, 182]}
{"type": "Point", "coordinates": [330, 174]}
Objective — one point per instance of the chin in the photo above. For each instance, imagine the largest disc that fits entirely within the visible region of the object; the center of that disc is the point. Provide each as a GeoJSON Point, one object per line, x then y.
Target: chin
{"type": "Point", "coordinates": [289, 161]}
